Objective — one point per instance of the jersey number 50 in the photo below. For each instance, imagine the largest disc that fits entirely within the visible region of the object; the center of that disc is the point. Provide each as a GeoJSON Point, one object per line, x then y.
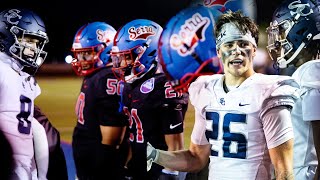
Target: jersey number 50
{"type": "Point", "coordinates": [229, 138]}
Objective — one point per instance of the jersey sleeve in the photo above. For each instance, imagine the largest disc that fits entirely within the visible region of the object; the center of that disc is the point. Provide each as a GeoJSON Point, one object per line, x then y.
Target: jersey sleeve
{"type": "Point", "coordinates": [198, 135]}
{"type": "Point", "coordinates": [198, 93]}
{"type": "Point", "coordinates": [277, 126]}
{"type": "Point", "coordinates": [310, 105]}
{"type": "Point", "coordinates": [279, 91]}
{"type": "Point", "coordinates": [199, 98]}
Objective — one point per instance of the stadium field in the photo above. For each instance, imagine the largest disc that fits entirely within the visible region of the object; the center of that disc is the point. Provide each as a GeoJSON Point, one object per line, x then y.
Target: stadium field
{"type": "Point", "coordinates": [58, 98]}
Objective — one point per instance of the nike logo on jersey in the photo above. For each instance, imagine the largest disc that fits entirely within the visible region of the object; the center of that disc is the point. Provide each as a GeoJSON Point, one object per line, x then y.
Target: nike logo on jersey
{"type": "Point", "coordinates": [243, 104]}
{"type": "Point", "coordinates": [174, 126]}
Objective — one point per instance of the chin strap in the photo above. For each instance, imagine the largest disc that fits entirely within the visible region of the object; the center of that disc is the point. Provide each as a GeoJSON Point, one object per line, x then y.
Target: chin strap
{"type": "Point", "coordinates": [133, 77]}
{"type": "Point", "coordinates": [283, 63]}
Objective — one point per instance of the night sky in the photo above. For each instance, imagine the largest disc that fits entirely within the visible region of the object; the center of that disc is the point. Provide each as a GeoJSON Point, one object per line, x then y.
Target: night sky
{"type": "Point", "coordinates": [63, 18]}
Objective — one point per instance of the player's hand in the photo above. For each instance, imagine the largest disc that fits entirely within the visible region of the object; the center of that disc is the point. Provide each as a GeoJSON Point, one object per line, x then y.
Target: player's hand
{"type": "Point", "coordinates": [152, 155]}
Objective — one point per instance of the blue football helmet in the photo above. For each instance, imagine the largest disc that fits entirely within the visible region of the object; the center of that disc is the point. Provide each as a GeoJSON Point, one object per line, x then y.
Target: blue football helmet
{"type": "Point", "coordinates": [19, 30]}
{"type": "Point", "coordinates": [187, 47]}
{"type": "Point", "coordinates": [91, 47]}
{"type": "Point", "coordinates": [247, 7]}
{"type": "Point", "coordinates": [294, 25]}
{"type": "Point", "coordinates": [135, 49]}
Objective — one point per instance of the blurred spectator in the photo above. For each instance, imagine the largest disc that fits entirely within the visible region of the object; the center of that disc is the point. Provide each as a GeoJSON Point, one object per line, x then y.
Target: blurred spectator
{"type": "Point", "coordinates": [262, 63]}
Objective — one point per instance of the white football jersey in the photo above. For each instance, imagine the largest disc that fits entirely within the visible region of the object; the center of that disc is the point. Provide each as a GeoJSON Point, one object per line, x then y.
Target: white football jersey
{"type": "Point", "coordinates": [305, 110]}
{"type": "Point", "coordinates": [17, 93]}
{"type": "Point", "coordinates": [235, 126]}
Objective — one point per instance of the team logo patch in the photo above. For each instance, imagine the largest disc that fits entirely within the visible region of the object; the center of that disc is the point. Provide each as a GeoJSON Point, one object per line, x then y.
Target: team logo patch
{"type": "Point", "coordinates": [222, 101]}
{"type": "Point", "coordinates": [147, 86]}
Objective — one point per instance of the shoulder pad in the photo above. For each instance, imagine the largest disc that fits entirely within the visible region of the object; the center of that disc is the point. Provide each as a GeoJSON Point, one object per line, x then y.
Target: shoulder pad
{"type": "Point", "coordinates": [307, 75]}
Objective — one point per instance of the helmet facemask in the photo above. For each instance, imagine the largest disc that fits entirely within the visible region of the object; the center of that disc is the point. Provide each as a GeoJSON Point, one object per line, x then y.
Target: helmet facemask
{"type": "Point", "coordinates": [28, 47]}
{"type": "Point", "coordinates": [286, 39]}
{"type": "Point", "coordinates": [86, 60]}
{"type": "Point", "coordinates": [126, 64]}
{"type": "Point", "coordinates": [278, 45]}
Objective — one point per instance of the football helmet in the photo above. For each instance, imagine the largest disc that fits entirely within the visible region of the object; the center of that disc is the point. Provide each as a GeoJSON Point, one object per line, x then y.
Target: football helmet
{"type": "Point", "coordinates": [23, 37]}
{"type": "Point", "coordinates": [247, 7]}
{"type": "Point", "coordinates": [91, 47]}
{"type": "Point", "coordinates": [135, 49]}
{"type": "Point", "coordinates": [294, 25]}
{"type": "Point", "coordinates": [187, 47]}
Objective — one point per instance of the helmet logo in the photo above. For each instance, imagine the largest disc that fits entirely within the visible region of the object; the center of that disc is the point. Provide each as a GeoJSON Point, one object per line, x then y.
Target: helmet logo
{"type": "Point", "coordinates": [12, 14]}
{"type": "Point", "coordinates": [299, 8]}
{"type": "Point", "coordinates": [141, 32]}
{"type": "Point", "coordinates": [191, 32]}
{"type": "Point", "coordinates": [105, 36]}
{"type": "Point", "coordinates": [210, 3]}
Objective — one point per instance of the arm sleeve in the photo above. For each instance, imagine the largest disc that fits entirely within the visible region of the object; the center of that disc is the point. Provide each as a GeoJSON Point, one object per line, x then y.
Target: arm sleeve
{"type": "Point", "coordinates": [173, 118]}
{"type": "Point", "coordinates": [310, 105]}
{"type": "Point", "coordinates": [198, 135]}
{"type": "Point", "coordinates": [277, 126]}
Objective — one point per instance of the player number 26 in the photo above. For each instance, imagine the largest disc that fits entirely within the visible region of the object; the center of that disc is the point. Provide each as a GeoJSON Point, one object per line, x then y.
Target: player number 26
{"type": "Point", "coordinates": [229, 138]}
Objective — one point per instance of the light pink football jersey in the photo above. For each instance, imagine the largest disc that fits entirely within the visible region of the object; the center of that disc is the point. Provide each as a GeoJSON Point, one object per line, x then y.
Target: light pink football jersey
{"type": "Point", "coordinates": [234, 124]}
{"type": "Point", "coordinates": [17, 93]}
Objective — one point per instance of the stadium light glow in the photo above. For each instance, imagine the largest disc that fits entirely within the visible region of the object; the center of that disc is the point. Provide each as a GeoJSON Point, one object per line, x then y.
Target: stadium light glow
{"type": "Point", "coordinates": [68, 59]}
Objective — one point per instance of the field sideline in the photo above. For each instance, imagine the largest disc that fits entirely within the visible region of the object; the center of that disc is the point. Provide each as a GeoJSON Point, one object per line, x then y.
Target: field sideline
{"type": "Point", "coordinates": [58, 98]}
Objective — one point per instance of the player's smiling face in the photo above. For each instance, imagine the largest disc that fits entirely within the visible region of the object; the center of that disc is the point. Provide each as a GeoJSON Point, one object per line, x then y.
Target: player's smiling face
{"type": "Point", "coordinates": [237, 57]}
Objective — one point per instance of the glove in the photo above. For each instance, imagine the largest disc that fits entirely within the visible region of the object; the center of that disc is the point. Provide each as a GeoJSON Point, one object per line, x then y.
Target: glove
{"type": "Point", "coordinates": [152, 155]}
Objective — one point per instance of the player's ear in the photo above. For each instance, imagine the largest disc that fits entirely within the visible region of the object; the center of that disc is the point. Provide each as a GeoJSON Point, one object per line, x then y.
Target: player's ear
{"type": "Point", "coordinates": [218, 53]}
{"type": "Point", "coordinates": [254, 52]}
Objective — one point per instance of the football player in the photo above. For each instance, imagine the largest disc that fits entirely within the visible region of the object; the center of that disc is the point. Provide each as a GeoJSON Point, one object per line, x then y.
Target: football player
{"type": "Point", "coordinates": [22, 41]}
{"type": "Point", "coordinates": [242, 118]}
{"type": "Point", "coordinates": [294, 43]}
{"type": "Point", "coordinates": [100, 127]}
{"type": "Point", "coordinates": [156, 111]}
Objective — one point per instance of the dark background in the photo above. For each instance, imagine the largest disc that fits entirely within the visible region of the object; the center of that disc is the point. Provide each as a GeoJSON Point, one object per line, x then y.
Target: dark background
{"type": "Point", "coordinates": [63, 18]}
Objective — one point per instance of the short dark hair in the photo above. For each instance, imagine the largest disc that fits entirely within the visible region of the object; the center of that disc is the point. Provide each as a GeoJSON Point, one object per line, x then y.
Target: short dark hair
{"type": "Point", "coordinates": [243, 23]}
